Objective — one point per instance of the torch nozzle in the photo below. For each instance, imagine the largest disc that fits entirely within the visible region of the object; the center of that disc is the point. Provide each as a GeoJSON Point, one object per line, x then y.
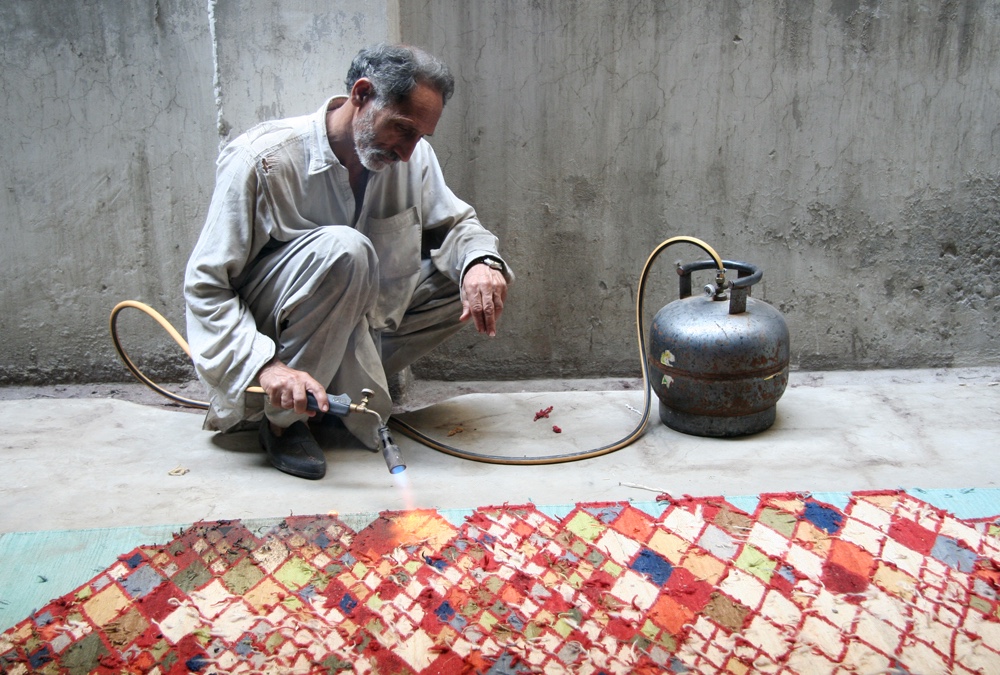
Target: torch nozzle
{"type": "Point", "coordinates": [390, 451]}
{"type": "Point", "coordinates": [341, 405]}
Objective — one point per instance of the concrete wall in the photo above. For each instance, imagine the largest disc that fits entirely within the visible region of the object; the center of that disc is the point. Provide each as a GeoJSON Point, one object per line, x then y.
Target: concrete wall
{"type": "Point", "coordinates": [112, 116]}
{"type": "Point", "coordinates": [847, 147]}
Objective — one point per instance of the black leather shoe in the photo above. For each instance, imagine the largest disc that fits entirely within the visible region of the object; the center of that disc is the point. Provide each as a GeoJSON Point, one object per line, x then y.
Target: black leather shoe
{"type": "Point", "coordinates": [295, 451]}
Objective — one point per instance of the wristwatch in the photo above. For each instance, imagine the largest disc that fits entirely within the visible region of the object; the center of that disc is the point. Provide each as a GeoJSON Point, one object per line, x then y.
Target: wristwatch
{"type": "Point", "coordinates": [490, 262]}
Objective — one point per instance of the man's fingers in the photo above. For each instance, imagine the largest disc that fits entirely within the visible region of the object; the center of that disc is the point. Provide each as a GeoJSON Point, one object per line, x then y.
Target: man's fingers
{"type": "Point", "coordinates": [300, 400]}
{"type": "Point", "coordinates": [497, 307]}
{"type": "Point", "coordinates": [481, 314]}
{"type": "Point", "coordinates": [290, 391]}
{"type": "Point", "coordinates": [311, 386]}
{"type": "Point", "coordinates": [322, 400]}
{"type": "Point", "coordinates": [489, 318]}
{"type": "Point", "coordinates": [484, 313]}
{"type": "Point", "coordinates": [484, 292]}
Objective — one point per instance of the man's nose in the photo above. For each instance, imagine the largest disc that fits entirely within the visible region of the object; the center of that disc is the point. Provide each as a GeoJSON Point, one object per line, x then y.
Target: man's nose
{"type": "Point", "coordinates": [405, 149]}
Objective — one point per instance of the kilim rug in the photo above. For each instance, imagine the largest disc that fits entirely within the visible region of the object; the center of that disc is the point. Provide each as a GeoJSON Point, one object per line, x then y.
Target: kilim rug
{"type": "Point", "coordinates": [886, 584]}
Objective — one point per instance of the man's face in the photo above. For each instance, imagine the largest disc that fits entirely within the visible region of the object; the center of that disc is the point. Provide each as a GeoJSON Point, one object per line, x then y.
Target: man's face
{"type": "Point", "coordinates": [383, 136]}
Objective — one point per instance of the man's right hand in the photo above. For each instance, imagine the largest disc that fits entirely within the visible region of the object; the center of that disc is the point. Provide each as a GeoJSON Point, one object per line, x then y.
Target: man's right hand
{"type": "Point", "coordinates": [286, 387]}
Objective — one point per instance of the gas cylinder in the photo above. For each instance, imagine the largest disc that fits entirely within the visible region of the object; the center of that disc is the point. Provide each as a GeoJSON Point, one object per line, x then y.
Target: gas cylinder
{"type": "Point", "coordinates": [718, 361]}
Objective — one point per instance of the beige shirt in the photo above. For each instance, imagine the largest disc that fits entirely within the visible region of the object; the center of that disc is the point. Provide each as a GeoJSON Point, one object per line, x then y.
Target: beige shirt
{"type": "Point", "coordinates": [280, 180]}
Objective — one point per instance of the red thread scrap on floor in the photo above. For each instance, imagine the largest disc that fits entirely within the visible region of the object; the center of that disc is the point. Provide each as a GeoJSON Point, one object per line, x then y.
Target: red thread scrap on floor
{"type": "Point", "coordinates": [544, 412]}
{"type": "Point", "coordinates": [556, 429]}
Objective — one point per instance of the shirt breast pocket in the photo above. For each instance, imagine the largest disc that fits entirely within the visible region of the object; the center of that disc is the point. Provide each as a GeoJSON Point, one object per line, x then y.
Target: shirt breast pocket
{"type": "Point", "coordinates": [397, 242]}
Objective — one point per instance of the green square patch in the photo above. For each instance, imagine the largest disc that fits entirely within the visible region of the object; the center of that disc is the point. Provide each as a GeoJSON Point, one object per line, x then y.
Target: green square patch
{"type": "Point", "coordinates": [84, 656]}
{"type": "Point", "coordinates": [295, 573]}
{"type": "Point", "coordinates": [242, 577]}
{"type": "Point", "coordinates": [193, 576]}
{"type": "Point", "coordinates": [982, 605]}
{"type": "Point", "coordinates": [585, 526]}
{"type": "Point", "coordinates": [563, 628]}
{"type": "Point", "coordinates": [612, 568]}
{"type": "Point", "coordinates": [494, 584]}
{"type": "Point", "coordinates": [756, 563]}
{"type": "Point", "coordinates": [487, 621]}
{"type": "Point", "coordinates": [779, 521]}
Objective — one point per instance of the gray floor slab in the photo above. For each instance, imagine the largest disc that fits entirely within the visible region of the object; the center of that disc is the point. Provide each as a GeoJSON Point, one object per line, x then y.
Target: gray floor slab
{"type": "Point", "coordinates": [77, 463]}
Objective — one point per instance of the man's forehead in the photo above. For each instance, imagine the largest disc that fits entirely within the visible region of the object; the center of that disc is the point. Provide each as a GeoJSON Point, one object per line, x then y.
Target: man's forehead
{"type": "Point", "coordinates": [422, 108]}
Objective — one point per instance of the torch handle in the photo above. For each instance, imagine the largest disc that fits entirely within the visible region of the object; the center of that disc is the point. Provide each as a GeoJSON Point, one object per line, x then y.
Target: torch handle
{"type": "Point", "coordinates": [340, 404]}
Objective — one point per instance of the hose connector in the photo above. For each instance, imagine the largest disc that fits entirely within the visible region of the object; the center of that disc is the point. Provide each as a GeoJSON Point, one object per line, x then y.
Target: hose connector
{"type": "Point", "coordinates": [717, 291]}
{"type": "Point", "coordinates": [362, 407]}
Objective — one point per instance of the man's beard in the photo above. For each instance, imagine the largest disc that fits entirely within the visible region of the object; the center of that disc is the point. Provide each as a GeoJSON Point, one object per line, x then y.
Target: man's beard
{"type": "Point", "coordinates": [372, 158]}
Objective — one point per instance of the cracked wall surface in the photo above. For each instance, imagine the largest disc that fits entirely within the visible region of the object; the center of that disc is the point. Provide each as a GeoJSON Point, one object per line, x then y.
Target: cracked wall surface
{"type": "Point", "coordinates": [848, 147]}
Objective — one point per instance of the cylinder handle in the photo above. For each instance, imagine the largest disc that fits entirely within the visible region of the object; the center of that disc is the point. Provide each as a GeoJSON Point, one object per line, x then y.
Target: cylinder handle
{"type": "Point", "coordinates": [739, 290]}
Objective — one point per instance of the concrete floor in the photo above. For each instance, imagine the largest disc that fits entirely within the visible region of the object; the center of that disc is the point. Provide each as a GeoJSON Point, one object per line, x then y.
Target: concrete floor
{"type": "Point", "coordinates": [117, 456]}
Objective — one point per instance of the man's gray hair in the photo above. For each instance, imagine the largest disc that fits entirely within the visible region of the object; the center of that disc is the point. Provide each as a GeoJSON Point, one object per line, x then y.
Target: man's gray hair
{"type": "Point", "coordinates": [394, 71]}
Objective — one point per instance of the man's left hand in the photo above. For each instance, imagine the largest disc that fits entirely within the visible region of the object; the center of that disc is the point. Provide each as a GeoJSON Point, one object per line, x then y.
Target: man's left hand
{"type": "Point", "coordinates": [484, 290]}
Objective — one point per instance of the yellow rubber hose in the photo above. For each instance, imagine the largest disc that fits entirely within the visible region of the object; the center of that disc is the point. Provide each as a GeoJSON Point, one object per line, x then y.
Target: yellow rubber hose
{"type": "Point", "coordinates": [178, 338]}
{"type": "Point", "coordinates": [414, 433]}
{"type": "Point", "coordinates": [417, 435]}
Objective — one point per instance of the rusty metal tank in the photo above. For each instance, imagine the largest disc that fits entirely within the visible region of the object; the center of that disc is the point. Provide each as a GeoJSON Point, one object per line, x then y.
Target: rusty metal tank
{"type": "Point", "coordinates": [719, 361]}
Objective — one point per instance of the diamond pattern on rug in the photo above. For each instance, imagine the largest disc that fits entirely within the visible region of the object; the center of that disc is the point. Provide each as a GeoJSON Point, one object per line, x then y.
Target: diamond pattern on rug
{"type": "Point", "coordinates": [888, 584]}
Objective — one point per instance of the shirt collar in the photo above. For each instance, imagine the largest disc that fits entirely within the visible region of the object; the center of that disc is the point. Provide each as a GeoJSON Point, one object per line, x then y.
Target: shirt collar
{"type": "Point", "coordinates": [321, 154]}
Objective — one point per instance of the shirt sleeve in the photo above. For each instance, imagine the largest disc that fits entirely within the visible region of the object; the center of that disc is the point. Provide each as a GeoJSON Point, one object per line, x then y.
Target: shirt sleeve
{"type": "Point", "coordinates": [226, 347]}
{"type": "Point", "coordinates": [457, 236]}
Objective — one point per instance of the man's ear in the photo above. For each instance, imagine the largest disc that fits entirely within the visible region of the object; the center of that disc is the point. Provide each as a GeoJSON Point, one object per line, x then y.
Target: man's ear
{"type": "Point", "coordinates": [362, 92]}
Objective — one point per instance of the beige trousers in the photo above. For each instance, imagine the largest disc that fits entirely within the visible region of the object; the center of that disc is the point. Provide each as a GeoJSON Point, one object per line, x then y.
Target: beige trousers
{"type": "Point", "coordinates": [313, 296]}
